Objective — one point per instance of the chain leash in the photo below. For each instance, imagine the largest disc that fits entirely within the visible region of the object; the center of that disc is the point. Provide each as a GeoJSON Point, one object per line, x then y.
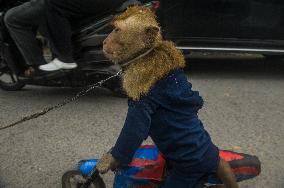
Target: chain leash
{"type": "Point", "coordinates": [65, 102]}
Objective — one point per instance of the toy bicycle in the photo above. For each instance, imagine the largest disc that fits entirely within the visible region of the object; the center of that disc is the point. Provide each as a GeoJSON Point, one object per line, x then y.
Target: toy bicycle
{"type": "Point", "coordinates": [148, 169]}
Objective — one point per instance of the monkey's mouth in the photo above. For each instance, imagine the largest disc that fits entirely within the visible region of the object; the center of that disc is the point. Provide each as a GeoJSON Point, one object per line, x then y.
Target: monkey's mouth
{"type": "Point", "coordinates": [111, 55]}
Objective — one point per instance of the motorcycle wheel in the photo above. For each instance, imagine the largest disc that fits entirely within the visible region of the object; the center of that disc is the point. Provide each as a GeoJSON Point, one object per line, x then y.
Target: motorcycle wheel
{"type": "Point", "coordinates": [74, 179]}
{"type": "Point", "coordinates": [8, 80]}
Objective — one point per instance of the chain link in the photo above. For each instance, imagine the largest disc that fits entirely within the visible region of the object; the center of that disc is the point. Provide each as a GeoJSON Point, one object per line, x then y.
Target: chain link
{"type": "Point", "coordinates": [65, 102]}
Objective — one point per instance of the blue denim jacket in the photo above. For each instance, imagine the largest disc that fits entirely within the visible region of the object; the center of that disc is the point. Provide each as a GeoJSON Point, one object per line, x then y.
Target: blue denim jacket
{"type": "Point", "coordinates": [168, 114]}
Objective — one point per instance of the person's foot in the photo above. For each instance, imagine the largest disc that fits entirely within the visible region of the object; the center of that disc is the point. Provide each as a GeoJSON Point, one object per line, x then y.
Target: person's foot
{"type": "Point", "coordinates": [56, 64]}
{"type": "Point", "coordinates": [31, 73]}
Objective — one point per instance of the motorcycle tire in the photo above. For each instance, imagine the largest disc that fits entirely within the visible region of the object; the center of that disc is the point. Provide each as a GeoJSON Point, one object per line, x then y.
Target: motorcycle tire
{"type": "Point", "coordinates": [8, 80]}
{"type": "Point", "coordinates": [74, 179]}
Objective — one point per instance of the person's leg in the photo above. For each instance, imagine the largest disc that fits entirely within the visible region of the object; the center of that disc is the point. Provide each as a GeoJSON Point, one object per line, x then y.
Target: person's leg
{"type": "Point", "coordinates": [58, 16]}
{"type": "Point", "coordinates": [226, 175]}
{"type": "Point", "coordinates": [59, 13]}
{"type": "Point", "coordinates": [21, 22]}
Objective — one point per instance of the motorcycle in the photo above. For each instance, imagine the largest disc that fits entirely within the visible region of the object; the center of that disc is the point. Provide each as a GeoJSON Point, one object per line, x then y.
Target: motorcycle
{"type": "Point", "coordinates": [149, 169]}
{"type": "Point", "coordinates": [88, 37]}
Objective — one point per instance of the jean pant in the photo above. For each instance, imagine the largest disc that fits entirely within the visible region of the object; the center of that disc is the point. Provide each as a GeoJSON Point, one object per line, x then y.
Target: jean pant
{"type": "Point", "coordinates": [23, 22]}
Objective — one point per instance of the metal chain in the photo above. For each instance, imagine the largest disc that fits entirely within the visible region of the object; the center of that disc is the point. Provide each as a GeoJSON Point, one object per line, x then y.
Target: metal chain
{"type": "Point", "coordinates": [66, 101]}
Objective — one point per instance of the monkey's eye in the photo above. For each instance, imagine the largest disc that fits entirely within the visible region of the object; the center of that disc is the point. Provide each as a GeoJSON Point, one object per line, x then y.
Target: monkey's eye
{"type": "Point", "coordinates": [116, 30]}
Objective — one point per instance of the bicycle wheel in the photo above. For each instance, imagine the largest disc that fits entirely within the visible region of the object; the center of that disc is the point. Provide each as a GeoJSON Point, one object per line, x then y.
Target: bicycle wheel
{"type": "Point", "coordinates": [74, 179]}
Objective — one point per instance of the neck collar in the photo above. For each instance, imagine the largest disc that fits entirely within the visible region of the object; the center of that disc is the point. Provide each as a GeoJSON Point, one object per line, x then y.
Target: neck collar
{"type": "Point", "coordinates": [126, 63]}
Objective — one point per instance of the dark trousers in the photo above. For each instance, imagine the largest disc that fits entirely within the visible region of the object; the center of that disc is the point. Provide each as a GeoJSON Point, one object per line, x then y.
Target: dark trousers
{"type": "Point", "coordinates": [181, 179]}
{"type": "Point", "coordinates": [59, 14]}
{"type": "Point", "coordinates": [181, 176]}
{"type": "Point", "coordinates": [186, 175]}
{"type": "Point", "coordinates": [23, 23]}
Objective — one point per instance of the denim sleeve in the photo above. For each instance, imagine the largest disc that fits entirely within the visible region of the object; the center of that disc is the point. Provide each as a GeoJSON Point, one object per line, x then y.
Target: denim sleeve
{"type": "Point", "coordinates": [135, 130]}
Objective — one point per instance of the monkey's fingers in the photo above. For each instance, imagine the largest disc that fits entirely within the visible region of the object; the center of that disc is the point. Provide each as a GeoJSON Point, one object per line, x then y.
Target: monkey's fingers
{"type": "Point", "coordinates": [103, 168]}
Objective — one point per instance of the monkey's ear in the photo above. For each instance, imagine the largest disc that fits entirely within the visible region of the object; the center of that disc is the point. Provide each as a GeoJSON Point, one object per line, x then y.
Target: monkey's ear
{"type": "Point", "coordinates": [151, 33]}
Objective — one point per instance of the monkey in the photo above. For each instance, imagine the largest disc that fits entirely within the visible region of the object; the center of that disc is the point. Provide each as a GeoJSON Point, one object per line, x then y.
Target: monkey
{"type": "Point", "coordinates": [161, 103]}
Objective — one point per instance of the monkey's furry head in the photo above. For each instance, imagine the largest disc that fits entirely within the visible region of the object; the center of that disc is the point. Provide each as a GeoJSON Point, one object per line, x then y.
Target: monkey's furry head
{"type": "Point", "coordinates": [138, 18]}
{"type": "Point", "coordinates": [136, 31]}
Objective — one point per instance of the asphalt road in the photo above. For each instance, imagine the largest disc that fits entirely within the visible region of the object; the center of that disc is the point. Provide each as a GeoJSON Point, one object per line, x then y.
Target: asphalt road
{"type": "Point", "coordinates": [244, 107]}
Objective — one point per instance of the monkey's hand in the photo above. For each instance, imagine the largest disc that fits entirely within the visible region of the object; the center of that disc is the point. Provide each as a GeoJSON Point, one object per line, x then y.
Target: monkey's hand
{"type": "Point", "coordinates": [106, 163]}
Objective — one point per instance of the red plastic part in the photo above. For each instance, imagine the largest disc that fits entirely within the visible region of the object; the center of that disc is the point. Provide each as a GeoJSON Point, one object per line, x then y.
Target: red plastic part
{"type": "Point", "coordinates": [230, 156]}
